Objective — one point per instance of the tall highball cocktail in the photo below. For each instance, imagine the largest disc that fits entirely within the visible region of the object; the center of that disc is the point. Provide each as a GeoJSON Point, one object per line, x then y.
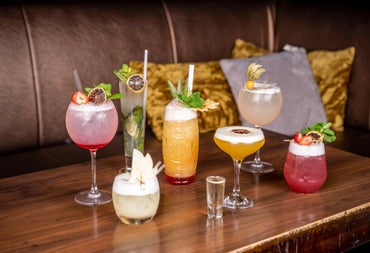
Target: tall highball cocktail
{"type": "Point", "coordinates": [180, 141]}
{"type": "Point", "coordinates": [133, 86]}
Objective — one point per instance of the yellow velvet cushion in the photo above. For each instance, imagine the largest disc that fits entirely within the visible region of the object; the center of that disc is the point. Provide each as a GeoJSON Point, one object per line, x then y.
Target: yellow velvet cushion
{"type": "Point", "coordinates": [244, 49]}
{"type": "Point", "coordinates": [208, 80]}
{"type": "Point", "coordinates": [332, 70]}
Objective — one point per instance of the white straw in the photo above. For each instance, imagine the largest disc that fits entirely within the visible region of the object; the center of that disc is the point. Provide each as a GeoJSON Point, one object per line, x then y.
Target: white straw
{"type": "Point", "coordinates": [190, 79]}
{"type": "Point", "coordinates": [145, 62]}
{"type": "Point", "coordinates": [77, 80]}
{"type": "Point", "coordinates": [146, 84]}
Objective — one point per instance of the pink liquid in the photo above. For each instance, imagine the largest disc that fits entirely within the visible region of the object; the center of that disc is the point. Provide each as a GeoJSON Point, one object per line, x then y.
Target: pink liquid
{"type": "Point", "coordinates": [305, 174]}
{"type": "Point", "coordinates": [92, 126]}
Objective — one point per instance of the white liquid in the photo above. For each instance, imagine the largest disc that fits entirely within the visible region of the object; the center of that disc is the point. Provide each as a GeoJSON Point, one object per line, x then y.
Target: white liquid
{"type": "Point", "coordinates": [135, 201]}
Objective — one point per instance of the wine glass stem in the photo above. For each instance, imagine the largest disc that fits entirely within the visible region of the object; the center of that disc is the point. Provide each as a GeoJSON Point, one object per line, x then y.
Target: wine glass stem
{"type": "Point", "coordinates": [94, 186]}
{"type": "Point", "coordinates": [257, 157]}
{"type": "Point", "coordinates": [236, 189]}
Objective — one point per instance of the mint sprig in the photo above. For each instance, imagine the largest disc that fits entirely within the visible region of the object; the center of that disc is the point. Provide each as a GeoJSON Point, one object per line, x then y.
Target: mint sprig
{"type": "Point", "coordinates": [108, 90]}
{"type": "Point", "coordinates": [192, 100]}
{"type": "Point", "coordinates": [124, 72]}
{"type": "Point", "coordinates": [323, 128]}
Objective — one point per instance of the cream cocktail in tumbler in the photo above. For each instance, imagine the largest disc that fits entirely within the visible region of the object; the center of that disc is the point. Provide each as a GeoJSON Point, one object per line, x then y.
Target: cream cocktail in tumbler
{"type": "Point", "coordinates": [238, 142]}
{"type": "Point", "coordinates": [91, 122]}
{"type": "Point", "coordinates": [136, 194]}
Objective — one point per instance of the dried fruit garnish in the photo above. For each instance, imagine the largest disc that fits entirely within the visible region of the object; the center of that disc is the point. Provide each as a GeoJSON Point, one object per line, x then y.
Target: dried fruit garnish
{"type": "Point", "coordinates": [136, 83]}
{"type": "Point", "coordinates": [317, 133]}
{"type": "Point", "coordinates": [253, 73]}
{"type": "Point", "coordinates": [97, 95]}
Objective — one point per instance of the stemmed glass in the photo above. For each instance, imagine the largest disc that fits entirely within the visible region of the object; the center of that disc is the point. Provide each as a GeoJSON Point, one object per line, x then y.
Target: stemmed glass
{"type": "Point", "coordinates": [238, 142]}
{"type": "Point", "coordinates": [260, 106]}
{"type": "Point", "coordinates": [92, 126]}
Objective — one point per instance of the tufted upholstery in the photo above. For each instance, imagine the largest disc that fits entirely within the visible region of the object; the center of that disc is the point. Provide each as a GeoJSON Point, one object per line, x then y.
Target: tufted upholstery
{"type": "Point", "coordinates": [41, 43]}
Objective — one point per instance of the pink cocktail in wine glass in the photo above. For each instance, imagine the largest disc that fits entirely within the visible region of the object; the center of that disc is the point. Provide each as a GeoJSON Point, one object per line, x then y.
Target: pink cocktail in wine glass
{"type": "Point", "coordinates": [92, 126]}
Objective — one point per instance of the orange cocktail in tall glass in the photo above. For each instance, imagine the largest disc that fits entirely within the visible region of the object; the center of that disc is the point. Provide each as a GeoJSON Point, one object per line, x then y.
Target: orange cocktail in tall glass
{"type": "Point", "coordinates": [180, 143]}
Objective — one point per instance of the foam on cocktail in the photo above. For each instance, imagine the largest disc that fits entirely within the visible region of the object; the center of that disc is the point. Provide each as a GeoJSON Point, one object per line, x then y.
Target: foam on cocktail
{"type": "Point", "coordinates": [124, 187]}
{"type": "Point", "coordinates": [315, 149]}
{"type": "Point", "coordinates": [230, 135]}
{"type": "Point", "coordinates": [175, 111]}
{"type": "Point", "coordinates": [91, 107]}
{"type": "Point", "coordinates": [269, 88]}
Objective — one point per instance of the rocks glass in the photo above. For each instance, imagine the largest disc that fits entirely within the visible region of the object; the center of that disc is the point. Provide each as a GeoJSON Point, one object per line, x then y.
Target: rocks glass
{"type": "Point", "coordinates": [305, 167]}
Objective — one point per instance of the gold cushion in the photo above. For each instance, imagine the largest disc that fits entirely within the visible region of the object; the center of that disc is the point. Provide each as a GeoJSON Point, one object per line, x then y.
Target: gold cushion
{"type": "Point", "coordinates": [208, 80]}
{"type": "Point", "coordinates": [332, 70]}
{"type": "Point", "coordinates": [243, 49]}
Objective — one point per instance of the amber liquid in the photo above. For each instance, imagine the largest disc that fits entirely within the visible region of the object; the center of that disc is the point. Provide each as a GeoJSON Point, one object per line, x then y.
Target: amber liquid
{"type": "Point", "coordinates": [240, 150]}
{"type": "Point", "coordinates": [180, 147]}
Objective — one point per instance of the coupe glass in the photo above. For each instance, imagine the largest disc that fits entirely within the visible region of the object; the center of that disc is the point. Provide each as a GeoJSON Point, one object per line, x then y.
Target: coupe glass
{"type": "Point", "coordinates": [260, 106]}
{"type": "Point", "coordinates": [92, 126]}
{"type": "Point", "coordinates": [238, 142]}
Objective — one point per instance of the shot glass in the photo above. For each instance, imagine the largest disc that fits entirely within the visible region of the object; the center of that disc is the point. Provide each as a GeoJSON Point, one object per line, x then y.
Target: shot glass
{"type": "Point", "coordinates": [133, 108]}
{"type": "Point", "coordinates": [215, 196]}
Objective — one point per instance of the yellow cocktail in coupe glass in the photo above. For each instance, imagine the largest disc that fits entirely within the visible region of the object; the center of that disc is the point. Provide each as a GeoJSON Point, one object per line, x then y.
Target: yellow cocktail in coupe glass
{"type": "Point", "coordinates": [180, 143]}
{"type": "Point", "coordinates": [238, 142]}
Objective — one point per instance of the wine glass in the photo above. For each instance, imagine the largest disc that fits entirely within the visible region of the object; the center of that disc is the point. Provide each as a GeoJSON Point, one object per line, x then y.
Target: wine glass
{"type": "Point", "coordinates": [260, 106]}
{"type": "Point", "coordinates": [238, 142]}
{"type": "Point", "coordinates": [92, 126]}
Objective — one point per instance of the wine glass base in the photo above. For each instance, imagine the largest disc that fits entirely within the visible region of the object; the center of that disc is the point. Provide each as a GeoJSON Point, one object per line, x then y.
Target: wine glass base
{"type": "Point", "coordinates": [253, 167]}
{"type": "Point", "coordinates": [90, 199]}
{"type": "Point", "coordinates": [240, 202]}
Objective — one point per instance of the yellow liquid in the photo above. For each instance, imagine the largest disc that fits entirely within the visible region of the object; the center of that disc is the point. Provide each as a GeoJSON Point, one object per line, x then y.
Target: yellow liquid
{"type": "Point", "coordinates": [180, 147]}
{"type": "Point", "coordinates": [240, 150]}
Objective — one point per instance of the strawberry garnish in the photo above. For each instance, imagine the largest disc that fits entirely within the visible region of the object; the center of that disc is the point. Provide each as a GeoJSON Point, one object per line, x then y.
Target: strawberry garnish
{"type": "Point", "coordinates": [297, 136]}
{"type": "Point", "coordinates": [305, 140]}
{"type": "Point", "coordinates": [80, 98]}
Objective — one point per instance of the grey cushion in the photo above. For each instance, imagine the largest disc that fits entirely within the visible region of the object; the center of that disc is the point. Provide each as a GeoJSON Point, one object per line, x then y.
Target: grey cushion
{"type": "Point", "coordinates": [292, 72]}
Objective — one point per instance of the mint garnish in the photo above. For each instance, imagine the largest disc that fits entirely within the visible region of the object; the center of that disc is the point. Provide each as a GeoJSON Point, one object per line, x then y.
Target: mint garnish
{"type": "Point", "coordinates": [124, 72]}
{"type": "Point", "coordinates": [192, 100]}
{"type": "Point", "coordinates": [108, 90]}
{"type": "Point", "coordinates": [323, 128]}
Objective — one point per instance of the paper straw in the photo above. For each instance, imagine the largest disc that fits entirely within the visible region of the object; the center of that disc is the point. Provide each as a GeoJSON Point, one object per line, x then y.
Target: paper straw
{"type": "Point", "coordinates": [145, 62]}
{"type": "Point", "coordinates": [77, 80]}
{"type": "Point", "coordinates": [190, 79]}
{"type": "Point", "coordinates": [146, 82]}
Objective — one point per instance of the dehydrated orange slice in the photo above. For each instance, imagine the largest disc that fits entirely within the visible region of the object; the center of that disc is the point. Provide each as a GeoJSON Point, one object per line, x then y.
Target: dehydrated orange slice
{"type": "Point", "coordinates": [97, 95]}
{"type": "Point", "coordinates": [136, 83]}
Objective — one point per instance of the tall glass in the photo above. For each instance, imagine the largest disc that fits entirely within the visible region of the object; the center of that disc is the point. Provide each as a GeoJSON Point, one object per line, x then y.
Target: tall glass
{"type": "Point", "coordinates": [133, 108]}
{"type": "Point", "coordinates": [305, 167]}
{"type": "Point", "coordinates": [238, 142]}
{"type": "Point", "coordinates": [180, 143]}
{"type": "Point", "coordinates": [92, 126]}
{"type": "Point", "coordinates": [260, 106]}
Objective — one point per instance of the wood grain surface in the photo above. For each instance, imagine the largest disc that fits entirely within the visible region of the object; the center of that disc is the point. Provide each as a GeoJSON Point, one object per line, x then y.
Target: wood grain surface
{"type": "Point", "coordinates": [38, 212]}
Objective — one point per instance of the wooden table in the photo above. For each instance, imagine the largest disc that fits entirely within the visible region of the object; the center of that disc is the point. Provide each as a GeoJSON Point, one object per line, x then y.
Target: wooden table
{"type": "Point", "coordinates": [38, 212]}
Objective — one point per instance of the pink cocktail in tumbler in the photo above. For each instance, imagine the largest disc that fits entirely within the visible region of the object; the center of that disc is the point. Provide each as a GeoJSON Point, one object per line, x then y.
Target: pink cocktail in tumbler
{"type": "Point", "coordinates": [305, 167]}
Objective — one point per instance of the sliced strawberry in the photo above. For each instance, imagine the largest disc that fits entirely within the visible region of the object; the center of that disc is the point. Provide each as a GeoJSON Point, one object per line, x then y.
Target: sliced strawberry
{"type": "Point", "coordinates": [80, 98]}
{"type": "Point", "coordinates": [305, 140]}
{"type": "Point", "coordinates": [297, 136]}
